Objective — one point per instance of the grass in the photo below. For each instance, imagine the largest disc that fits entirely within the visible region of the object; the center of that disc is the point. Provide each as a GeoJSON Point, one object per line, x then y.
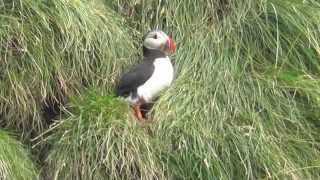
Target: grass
{"type": "Point", "coordinates": [244, 104]}
{"type": "Point", "coordinates": [15, 162]}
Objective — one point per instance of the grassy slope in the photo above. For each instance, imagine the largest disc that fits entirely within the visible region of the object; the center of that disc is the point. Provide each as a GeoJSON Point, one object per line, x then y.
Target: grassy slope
{"type": "Point", "coordinates": [245, 104]}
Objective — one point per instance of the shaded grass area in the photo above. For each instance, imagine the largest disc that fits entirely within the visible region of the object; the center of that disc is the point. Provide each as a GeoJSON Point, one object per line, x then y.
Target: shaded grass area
{"type": "Point", "coordinates": [15, 162]}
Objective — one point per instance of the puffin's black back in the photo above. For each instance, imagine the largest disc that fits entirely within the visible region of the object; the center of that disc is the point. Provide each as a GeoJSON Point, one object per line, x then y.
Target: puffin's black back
{"type": "Point", "coordinates": [138, 74]}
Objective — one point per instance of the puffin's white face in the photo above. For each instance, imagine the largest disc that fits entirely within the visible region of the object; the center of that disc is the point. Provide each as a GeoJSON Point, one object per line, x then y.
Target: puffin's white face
{"type": "Point", "coordinates": [159, 40]}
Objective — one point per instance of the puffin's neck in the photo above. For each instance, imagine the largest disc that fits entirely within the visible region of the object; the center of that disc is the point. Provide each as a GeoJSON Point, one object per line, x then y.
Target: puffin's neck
{"type": "Point", "coordinates": [152, 53]}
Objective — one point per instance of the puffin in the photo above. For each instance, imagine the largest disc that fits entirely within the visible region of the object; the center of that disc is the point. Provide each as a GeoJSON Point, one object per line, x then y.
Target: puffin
{"type": "Point", "coordinates": [142, 84]}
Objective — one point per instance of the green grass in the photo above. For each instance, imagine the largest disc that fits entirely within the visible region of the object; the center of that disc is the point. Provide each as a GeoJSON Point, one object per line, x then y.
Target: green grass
{"type": "Point", "coordinates": [244, 105]}
{"type": "Point", "coordinates": [15, 162]}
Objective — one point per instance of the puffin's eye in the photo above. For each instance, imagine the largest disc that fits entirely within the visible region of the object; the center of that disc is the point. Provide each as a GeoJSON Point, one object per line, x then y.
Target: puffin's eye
{"type": "Point", "coordinates": [155, 36]}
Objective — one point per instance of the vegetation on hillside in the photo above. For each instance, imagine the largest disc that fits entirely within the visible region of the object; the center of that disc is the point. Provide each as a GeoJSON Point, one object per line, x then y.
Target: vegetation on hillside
{"type": "Point", "coordinates": [245, 103]}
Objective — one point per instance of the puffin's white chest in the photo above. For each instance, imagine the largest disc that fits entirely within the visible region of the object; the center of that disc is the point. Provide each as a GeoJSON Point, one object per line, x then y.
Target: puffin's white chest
{"type": "Point", "coordinates": [161, 79]}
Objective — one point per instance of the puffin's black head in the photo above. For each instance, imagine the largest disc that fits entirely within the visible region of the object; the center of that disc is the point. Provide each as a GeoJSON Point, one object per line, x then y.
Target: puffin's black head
{"type": "Point", "coordinates": [158, 40]}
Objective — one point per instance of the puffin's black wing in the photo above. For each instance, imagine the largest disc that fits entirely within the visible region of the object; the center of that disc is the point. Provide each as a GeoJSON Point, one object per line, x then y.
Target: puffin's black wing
{"type": "Point", "coordinates": [131, 80]}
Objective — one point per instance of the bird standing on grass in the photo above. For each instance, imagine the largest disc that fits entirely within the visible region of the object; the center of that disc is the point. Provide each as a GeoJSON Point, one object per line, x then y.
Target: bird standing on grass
{"type": "Point", "coordinates": [143, 83]}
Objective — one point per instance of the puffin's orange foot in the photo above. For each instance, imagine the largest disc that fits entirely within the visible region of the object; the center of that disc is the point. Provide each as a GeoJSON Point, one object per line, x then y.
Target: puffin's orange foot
{"type": "Point", "coordinates": [137, 112]}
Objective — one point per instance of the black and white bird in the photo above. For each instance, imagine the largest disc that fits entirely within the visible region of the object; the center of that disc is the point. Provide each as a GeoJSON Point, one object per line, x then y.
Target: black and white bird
{"type": "Point", "coordinates": [143, 83]}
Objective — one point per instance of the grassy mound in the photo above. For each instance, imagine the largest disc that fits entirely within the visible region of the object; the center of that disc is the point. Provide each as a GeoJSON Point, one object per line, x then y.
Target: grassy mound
{"type": "Point", "coordinates": [15, 162]}
{"type": "Point", "coordinates": [98, 138]}
{"type": "Point", "coordinates": [49, 51]}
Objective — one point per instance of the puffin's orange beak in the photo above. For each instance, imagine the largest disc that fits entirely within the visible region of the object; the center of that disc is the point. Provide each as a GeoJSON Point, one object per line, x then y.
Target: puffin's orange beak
{"type": "Point", "coordinates": [171, 46]}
